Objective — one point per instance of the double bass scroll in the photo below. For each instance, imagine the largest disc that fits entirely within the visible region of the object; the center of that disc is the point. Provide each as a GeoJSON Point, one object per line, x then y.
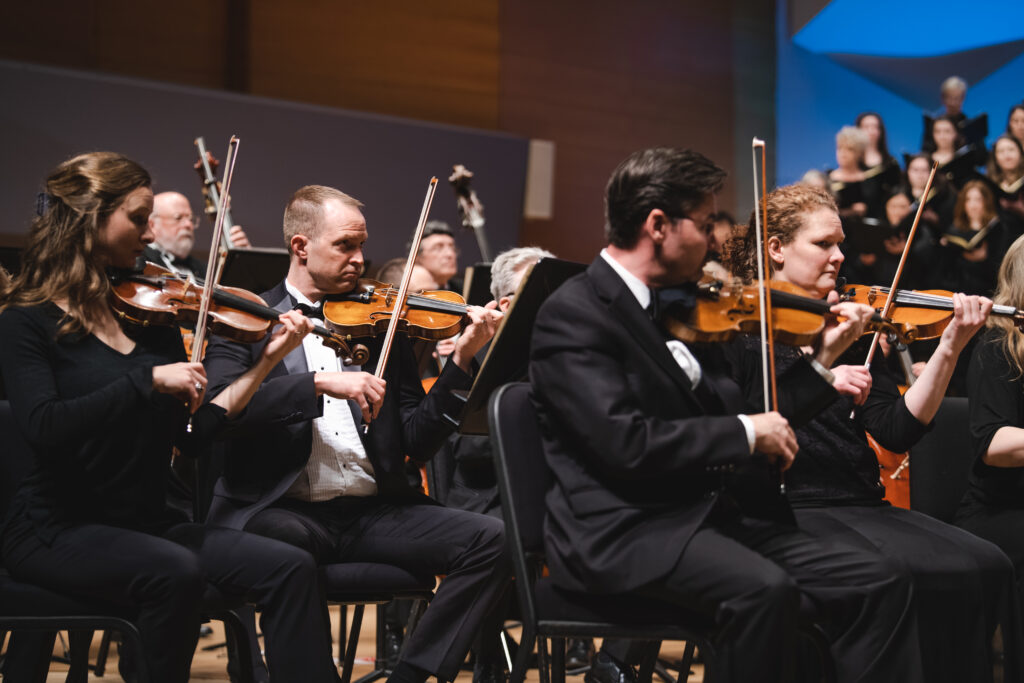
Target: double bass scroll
{"type": "Point", "coordinates": [471, 209]}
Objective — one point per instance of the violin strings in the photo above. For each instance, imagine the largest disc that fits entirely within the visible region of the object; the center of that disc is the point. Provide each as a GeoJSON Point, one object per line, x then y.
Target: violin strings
{"type": "Point", "coordinates": [437, 305]}
{"type": "Point", "coordinates": [938, 301]}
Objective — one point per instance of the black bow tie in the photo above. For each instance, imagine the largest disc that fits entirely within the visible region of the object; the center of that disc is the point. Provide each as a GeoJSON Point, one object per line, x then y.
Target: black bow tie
{"type": "Point", "coordinates": [316, 311]}
{"type": "Point", "coordinates": [676, 301]}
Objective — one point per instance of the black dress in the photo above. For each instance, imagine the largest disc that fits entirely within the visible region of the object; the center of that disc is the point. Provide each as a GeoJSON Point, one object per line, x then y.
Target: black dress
{"type": "Point", "coordinates": [90, 519]}
{"type": "Point", "coordinates": [993, 506]}
{"type": "Point", "coordinates": [962, 584]}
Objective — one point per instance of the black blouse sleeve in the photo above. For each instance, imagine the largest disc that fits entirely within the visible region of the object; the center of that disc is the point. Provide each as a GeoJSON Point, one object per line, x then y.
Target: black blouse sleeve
{"type": "Point", "coordinates": [996, 395]}
{"type": "Point", "coordinates": [884, 414]}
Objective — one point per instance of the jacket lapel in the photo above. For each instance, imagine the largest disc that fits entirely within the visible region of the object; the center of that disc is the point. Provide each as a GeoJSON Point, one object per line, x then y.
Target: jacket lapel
{"type": "Point", "coordinates": [279, 299]}
{"type": "Point", "coordinates": [624, 306]}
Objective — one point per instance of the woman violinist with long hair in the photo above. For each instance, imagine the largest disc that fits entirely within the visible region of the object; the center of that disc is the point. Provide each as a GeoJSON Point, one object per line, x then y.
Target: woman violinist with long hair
{"type": "Point", "coordinates": [962, 584]}
{"type": "Point", "coordinates": [102, 405]}
{"type": "Point", "coordinates": [993, 507]}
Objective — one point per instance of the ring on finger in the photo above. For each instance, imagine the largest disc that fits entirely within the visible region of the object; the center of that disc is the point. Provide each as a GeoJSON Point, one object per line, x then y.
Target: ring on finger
{"type": "Point", "coordinates": [198, 386]}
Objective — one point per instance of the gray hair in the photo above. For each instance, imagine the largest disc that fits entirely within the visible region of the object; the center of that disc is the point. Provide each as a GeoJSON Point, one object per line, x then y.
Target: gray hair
{"type": "Point", "coordinates": [851, 136]}
{"type": "Point", "coordinates": [505, 266]}
{"type": "Point", "coordinates": [953, 84]}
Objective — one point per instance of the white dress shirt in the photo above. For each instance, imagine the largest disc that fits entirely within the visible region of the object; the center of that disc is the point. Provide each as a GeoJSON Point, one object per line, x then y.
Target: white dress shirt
{"type": "Point", "coordinates": [337, 465]}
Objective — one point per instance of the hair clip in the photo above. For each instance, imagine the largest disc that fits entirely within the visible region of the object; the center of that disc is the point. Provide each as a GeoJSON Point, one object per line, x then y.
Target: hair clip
{"type": "Point", "coordinates": [43, 202]}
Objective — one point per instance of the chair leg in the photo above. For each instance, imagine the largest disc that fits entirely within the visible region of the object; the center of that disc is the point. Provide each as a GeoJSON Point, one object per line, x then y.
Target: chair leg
{"type": "Point", "coordinates": [130, 640]}
{"type": "Point", "coordinates": [353, 641]}
{"type": "Point", "coordinates": [558, 660]}
{"type": "Point", "coordinates": [522, 661]}
{"type": "Point", "coordinates": [648, 663]}
{"type": "Point", "coordinates": [543, 663]}
{"type": "Point", "coordinates": [78, 647]}
{"type": "Point", "coordinates": [686, 663]}
{"type": "Point", "coordinates": [342, 631]}
{"type": "Point", "coordinates": [237, 636]}
{"type": "Point", "coordinates": [101, 656]}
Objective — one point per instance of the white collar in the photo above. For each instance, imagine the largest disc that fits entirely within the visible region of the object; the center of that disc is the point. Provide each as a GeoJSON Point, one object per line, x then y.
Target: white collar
{"type": "Point", "coordinates": [300, 298]}
{"type": "Point", "coordinates": [641, 291]}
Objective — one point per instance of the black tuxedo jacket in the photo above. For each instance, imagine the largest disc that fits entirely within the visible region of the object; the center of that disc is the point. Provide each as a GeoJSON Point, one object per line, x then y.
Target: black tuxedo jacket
{"type": "Point", "coordinates": [638, 458]}
{"type": "Point", "coordinates": [270, 441]}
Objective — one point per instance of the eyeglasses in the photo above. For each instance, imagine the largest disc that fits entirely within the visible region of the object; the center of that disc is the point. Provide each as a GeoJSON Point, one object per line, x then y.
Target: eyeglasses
{"type": "Point", "coordinates": [438, 248]}
{"type": "Point", "coordinates": [178, 218]}
{"type": "Point", "coordinates": [707, 228]}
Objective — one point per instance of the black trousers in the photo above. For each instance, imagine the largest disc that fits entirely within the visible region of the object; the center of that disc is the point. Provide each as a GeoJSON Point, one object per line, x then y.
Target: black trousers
{"type": "Point", "coordinates": [750, 575]}
{"type": "Point", "coordinates": [963, 586]}
{"type": "Point", "coordinates": [469, 549]}
{"type": "Point", "coordinates": [1002, 526]}
{"type": "Point", "coordinates": [164, 578]}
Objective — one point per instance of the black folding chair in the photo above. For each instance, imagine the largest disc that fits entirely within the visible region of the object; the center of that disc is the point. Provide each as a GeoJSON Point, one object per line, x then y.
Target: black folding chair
{"type": "Point", "coordinates": [549, 612]}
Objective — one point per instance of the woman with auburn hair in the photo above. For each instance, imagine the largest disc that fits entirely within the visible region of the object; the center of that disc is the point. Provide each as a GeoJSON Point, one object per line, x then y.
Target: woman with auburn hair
{"type": "Point", "coordinates": [968, 253]}
{"type": "Point", "coordinates": [962, 584]}
{"type": "Point", "coordinates": [993, 507]}
{"type": "Point", "coordinates": [102, 404]}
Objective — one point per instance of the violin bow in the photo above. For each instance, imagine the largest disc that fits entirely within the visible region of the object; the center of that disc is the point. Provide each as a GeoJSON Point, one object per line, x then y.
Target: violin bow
{"type": "Point", "coordinates": [890, 298]}
{"type": "Point", "coordinates": [771, 397]}
{"type": "Point", "coordinates": [403, 290]}
{"type": "Point", "coordinates": [211, 267]}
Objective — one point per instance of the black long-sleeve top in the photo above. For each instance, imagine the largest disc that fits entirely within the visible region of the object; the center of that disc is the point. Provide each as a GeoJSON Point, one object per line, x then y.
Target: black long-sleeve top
{"type": "Point", "coordinates": [835, 465]}
{"type": "Point", "coordinates": [101, 437]}
{"type": "Point", "coordinates": [996, 400]}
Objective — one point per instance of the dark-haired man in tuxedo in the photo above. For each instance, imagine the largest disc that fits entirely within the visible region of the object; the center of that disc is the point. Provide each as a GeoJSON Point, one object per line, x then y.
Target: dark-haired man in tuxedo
{"type": "Point", "coordinates": [664, 483]}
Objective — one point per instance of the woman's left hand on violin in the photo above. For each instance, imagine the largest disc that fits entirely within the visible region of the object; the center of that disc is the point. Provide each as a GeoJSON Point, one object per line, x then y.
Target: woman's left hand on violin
{"type": "Point", "coordinates": [841, 331]}
{"type": "Point", "coordinates": [969, 315]}
{"type": "Point", "coordinates": [853, 381]}
{"type": "Point", "coordinates": [484, 323]}
{"type": "Point", "coordinates": [284, 339]}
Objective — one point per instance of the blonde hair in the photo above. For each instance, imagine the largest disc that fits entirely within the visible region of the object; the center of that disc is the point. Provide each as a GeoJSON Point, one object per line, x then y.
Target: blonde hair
{"type": "Point", "coordinates": [787, 208]}
{"type": "Point", "coordinates": [1010, 292]}
{"type": "Point", "coordinates": [58, 261]}
{"type": "Point", "coordinates": [853, 137]}
{"type": "Point", "coordinates": [305, 211]}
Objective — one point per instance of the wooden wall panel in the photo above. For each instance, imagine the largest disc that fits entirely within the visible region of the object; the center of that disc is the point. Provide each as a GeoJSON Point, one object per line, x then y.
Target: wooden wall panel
{"type": "Point", "coordinates": [180, 42]}
{"type": "Point", "coordinates": [603, 79]}
{"type": "Point", "coordinates": [436, 61]}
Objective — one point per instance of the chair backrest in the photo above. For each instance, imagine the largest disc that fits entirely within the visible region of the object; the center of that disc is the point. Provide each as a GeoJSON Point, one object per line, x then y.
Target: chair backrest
{"type": "Point", "coordinates": [523, 478]}
{"type": "Point", "coordinates": [522, 472]}
{"type": "Point", "coordinates": [15, 457]}
{"type": "Point", "coordinates": [941, 462]}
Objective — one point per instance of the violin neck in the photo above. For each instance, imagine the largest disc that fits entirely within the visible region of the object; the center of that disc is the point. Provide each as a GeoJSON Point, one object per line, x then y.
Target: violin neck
{"type": "Point", "coordinates": [943, 303]}
{"type": "Point", "coordinates": [259, 310]}
{"type": "Point", "coordinates": [425, 303]}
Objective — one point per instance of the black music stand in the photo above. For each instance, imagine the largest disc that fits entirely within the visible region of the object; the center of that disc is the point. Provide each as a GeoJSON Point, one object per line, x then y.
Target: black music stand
{"type": "Point", "coordinates": [256, 269]}
{"type": "Point", "coordinates": [476, 288]}
{"type": "Point", "coordinates": [10, 259]}
{"type": "Point", "coordinates": [509, 352]}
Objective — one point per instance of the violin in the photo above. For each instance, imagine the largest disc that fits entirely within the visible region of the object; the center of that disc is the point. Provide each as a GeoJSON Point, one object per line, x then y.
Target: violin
{"type": "Point", "coordinates": [723, 311]}
{"type": "Point", "coordinates": [366, 311]}
{"type": "Point", "coordinates": [927, 311]}
{"type": "Point", "coordinates": [157, 296]}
